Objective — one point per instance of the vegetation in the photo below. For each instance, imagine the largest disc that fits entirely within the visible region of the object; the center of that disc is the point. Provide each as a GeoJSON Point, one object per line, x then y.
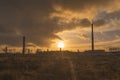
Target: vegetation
{"type": "Point", "coordinates": [60, 66]}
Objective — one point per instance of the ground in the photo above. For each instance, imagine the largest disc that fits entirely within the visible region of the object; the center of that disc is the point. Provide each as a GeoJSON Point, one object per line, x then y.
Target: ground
{"type": "Point", "coordinates": [60, 66]}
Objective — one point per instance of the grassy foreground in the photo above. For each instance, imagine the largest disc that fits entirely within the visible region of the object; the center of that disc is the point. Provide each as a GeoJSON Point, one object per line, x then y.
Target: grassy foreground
{"type": "Point", "coordinates": [60, 67]}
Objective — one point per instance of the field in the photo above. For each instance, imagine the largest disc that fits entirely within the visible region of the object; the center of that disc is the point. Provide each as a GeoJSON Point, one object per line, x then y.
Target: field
{"type": "Point", "coordinates": [60, 66]}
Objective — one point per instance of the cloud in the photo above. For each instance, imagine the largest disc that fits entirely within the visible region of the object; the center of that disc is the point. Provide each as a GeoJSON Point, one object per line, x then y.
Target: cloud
{"type": "Point", "coordinates": [83, 37]}
{"type": "Point", "coordinates": [81, 5]}
{"type": "Point", "coordinates": [68, 11]}
{"type": "Point", "coordinates": [105, 17]}
{"type": "Point", "coordinates": [40, 20]}
{"type": "Point", "coordinates": [85, 22]}
{"type": "Point", "coordinates": [32, 45]}
{"type": "Point", "coordinates": [117, 35]}
{"type": "Point", "coordinates": [3, 30]}
{"type": "Point", "coordinates": [29, 18]}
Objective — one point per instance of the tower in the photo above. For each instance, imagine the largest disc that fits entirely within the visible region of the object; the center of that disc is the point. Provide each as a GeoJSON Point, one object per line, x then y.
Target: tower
{"type": "Point", "coordinates": [23, 50]}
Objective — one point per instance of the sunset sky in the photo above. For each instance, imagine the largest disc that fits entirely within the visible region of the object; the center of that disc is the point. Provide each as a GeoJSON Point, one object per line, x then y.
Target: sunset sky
{"type": "Point", "coordinates": [46, 22]}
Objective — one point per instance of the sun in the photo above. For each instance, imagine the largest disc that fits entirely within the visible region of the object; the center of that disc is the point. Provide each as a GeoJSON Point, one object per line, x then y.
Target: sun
{"type": "Point", "coordinates": [61, 44]}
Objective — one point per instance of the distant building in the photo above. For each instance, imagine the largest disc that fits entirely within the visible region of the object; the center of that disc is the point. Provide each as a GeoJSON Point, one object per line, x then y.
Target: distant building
{"type": "Point", "coordinates": [38, 50]}
{"type": "Point", "coordinates": [96, 51]}
{"type": "Point", "coordinates": [114, 49]}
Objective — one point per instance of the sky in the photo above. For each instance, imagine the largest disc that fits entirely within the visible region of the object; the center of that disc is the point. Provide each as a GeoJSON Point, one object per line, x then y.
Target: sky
{"type": "Point", "coordinates": [46, 22]}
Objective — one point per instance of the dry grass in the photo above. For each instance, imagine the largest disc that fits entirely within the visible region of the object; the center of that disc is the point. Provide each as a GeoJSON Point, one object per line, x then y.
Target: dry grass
{"type": "Point", "coordinates": [60, 67]}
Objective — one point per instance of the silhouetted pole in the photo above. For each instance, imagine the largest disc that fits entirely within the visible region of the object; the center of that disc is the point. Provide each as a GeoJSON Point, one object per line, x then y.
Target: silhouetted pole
{"type": "Point", "coordinates": [92, 34]}
{"type": "Point", "coordinates": [23, 50]}
{"type": "Point", "coordinates": [6, 49]}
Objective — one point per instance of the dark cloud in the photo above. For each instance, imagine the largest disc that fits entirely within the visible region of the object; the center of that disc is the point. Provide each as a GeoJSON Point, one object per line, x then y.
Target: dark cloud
{"type": "Point", "coordinates": [109, 15]}
{"type": "Point", "coordinates": [78, 5]}
{"type": "Point", "coordinates": [85, 22]}
{"type": "Point", "coordinates": [105, 17]}
{"type": "Point", "coordinates": [27, 17]}
{"type": "Point", "coordinates": [4, 29]}
{"type": "Point", "coordinates": [10, 40]}
{"type": "Point", "coordinates": [99, 22]}
{"type": "Point", "coordinates": [31, 18]}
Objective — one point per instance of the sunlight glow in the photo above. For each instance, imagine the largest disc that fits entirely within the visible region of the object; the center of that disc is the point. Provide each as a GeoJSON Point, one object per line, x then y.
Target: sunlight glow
{"type": "Point", "coordinates": [61, 44]}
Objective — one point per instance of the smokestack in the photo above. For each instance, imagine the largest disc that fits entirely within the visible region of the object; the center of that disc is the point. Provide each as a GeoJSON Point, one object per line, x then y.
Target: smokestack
{"type": "Point", "coordinates": [92, 34]}
{"type": "Point", "coordinates": [23, 50]}
{"type": "Point", "coordinates": [6, 49]}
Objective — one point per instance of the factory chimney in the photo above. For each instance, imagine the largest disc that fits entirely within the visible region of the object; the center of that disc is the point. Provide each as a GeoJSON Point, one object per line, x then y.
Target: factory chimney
{"type": "Point", "coordinates": [92, 35]}
{"type": "Point", "coordinates": [23, 49]}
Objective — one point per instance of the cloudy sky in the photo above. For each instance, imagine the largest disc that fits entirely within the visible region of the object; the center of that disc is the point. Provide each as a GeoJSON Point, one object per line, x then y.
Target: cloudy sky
{"type": "Point", "coordinates": [46, 22]}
